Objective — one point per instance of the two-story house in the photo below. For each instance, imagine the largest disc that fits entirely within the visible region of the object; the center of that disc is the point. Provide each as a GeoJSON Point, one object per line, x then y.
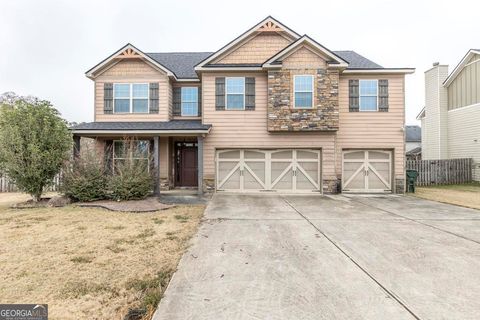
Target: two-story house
{"type": "Point", "coordinates": [451, 116]}
{"type": "Point", "coordinates": [271, 111]}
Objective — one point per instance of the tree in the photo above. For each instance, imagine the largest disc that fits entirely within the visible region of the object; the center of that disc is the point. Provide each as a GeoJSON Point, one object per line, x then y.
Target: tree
{"type": "Point", "coordinates": [34, 143]}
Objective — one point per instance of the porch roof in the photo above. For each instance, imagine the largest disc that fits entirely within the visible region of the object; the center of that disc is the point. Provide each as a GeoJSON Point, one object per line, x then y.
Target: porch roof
{"type": "Point", "coordinates": [142, 127]}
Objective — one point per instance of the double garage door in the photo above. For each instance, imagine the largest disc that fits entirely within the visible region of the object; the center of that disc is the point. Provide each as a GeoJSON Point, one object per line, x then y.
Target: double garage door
{"type": "Point", "coordinates": [277, 170]}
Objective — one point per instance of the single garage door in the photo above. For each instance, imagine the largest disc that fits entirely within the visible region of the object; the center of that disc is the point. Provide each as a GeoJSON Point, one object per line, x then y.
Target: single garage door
{"type": "Point", "coordinates": [278, 170]}
{"type": "Point", "coordinates": [367, 171]}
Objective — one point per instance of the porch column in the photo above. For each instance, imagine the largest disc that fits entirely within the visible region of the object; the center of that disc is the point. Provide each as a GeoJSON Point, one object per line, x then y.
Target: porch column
{"type": "Point", "coordinates": [200, 164]}
{"type": "Point", "coordinates": [156, 170]}
{"type": "Point", "coordinates": [76, 146]}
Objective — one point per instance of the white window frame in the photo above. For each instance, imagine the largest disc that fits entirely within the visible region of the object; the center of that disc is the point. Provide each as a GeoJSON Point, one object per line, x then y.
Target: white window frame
{"type": "Point", "coordinates": [181, 102]}
{"type": "Point", "coordinates": [368, 95]}
{"type": "Point", "coordinates": [226, 93]}
{"type": "Point", "coordinates": [131, 98]}
{"type": "Point", "coordinates": [129, 156]}
{"type": "Point", "coordinates": [295, 91]}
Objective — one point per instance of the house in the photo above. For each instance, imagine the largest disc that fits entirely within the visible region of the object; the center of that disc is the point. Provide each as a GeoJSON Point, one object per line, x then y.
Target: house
{"type": "Point", "coordinates": [413, 142]}
{"type": "Point", "coordinates": [451, 116]}
{"type": "Point", "coordinates": [271, 111]}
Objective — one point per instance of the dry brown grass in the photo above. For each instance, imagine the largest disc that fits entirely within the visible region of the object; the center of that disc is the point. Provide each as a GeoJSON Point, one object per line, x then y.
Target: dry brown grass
{"type": "Point", "coordinates": [466, 195]}
{"type": "Point", "coordinates": [89, 263]}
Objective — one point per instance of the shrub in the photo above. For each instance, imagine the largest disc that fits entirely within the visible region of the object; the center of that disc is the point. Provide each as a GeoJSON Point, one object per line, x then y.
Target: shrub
{"type": "Point", "coordinates": [85, 177]}
{"type": "Point", "coordinates": [131, 180]}
{"type": "Point", "coordinates": [34, 143]}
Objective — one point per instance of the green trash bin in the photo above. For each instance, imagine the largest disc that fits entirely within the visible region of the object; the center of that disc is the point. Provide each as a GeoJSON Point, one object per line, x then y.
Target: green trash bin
{"type": "Point", "coordinates": [411, 178]}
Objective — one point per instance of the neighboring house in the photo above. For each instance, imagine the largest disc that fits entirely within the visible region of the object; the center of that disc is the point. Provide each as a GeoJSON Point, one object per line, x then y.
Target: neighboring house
{"type": "Point", "coordinates": [413, 142]}
{"type": "Point", "coordinates": [451, 116]}
{"type": "Point", "coordinates": [271, 111]}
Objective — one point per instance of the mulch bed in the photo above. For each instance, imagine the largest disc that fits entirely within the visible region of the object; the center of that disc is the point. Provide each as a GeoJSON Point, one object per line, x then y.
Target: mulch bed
{"type": "Point", "coordinates": [150, 204]}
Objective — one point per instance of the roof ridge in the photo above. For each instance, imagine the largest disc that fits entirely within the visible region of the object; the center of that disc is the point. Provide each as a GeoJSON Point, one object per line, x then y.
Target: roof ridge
{"type": "Point", "coordinates": [170, 52]}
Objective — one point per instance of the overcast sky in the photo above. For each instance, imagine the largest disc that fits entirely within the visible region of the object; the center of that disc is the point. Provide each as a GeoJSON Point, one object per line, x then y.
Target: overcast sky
{"type": "Point", "coordinates": [46, 46]}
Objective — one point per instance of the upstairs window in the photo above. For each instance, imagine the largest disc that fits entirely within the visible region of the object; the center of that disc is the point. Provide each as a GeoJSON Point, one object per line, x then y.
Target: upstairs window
{"type": "Point", "coordinates": [235, 93]}
{"type": "Point", "coordinates": [368, 95]}
{"type": "Point", "coordinates": [189, 101]}
{"type": "Point", "coordinates": [130, 97]}
{"type": "Point", "coordinates": [303, 87]}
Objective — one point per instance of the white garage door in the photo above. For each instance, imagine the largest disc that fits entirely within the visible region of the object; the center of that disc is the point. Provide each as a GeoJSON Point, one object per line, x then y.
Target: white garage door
{"type": "Point", "coordinates": [278, 170]}
{"type": "Point", "coordinates": [367, 171]}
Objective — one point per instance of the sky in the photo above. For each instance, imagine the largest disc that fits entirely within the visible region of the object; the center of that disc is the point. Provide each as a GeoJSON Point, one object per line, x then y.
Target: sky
{"type": "Point", "coordinates": [46, 46]}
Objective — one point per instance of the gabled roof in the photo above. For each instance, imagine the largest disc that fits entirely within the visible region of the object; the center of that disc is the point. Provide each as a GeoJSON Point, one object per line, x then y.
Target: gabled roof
{"type": "Point", "coordinates": [128, 51]}
{"type": "Point", "coordinates": [421, 114]}
{"type": "Point", "coordinates": [275, 61]}
{"type": "Point", "coordinates": [463, 63]}
{"type": "Point", "coordinates": [415, 151]}
{"type": "Point", "coordinates": [181, 63]}
{"type": "Point", "coordinates": [413, 134]}
{"type": "Point", "coordinates": [267, 22]}
{"type": "Point", "coordinates": [356, 61]}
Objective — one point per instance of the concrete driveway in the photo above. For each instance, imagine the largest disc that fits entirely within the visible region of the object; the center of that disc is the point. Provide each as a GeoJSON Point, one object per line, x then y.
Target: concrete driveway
{"type": "Point", "coordinates": [329, 257]}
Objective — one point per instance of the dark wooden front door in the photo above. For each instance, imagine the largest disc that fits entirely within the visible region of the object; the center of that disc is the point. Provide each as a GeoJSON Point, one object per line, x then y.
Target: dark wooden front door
{"type": "Point", "coordinates": [187, 164]}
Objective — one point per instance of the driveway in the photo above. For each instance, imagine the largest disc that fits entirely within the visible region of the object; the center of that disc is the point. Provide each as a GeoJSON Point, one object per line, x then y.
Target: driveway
{"type": "Point", "coordinates": [329, 257]}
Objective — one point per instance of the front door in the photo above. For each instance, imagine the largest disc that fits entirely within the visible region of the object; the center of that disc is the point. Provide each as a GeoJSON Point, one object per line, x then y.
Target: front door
{"type": "Point", "coordinates": [186, 164]}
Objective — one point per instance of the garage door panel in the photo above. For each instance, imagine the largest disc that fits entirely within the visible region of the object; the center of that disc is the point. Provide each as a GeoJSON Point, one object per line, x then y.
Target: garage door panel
{"type": "Point", "coordinates": [286, 170]}
{"type": "Point", "coordinates": [367, 171]}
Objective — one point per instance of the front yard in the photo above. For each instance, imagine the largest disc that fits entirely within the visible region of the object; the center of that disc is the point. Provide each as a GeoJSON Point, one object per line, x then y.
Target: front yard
{"type": "Point", "coordinates": [467, 195]}
{"type": "Point", "coordinates": [89, 263]}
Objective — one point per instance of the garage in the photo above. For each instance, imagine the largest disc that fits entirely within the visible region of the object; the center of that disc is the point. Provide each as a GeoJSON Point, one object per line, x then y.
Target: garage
{"type": "Point", "coordinates": [268, 170]}
{"type": "Point", "coordinates": [368, 171]}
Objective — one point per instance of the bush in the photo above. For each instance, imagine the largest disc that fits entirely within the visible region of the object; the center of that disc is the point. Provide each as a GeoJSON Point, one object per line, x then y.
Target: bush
{"type": "Point", "coordinates": [34, 143]}
{"type": "Point", "coordinates": [131, 181]}
{"type": "Point", "coordinates": [85, 178]}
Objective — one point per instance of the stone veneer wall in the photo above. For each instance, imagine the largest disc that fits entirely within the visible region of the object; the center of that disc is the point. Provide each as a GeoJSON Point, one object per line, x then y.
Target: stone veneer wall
{"type": "Point", "coordinates": [324, 114]}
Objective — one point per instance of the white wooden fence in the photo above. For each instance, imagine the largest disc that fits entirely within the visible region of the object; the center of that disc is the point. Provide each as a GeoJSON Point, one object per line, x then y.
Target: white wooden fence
{"type": "Point", "coordinates": [445, 171]}
{"type": "Point", "coordinates": [6, 185]}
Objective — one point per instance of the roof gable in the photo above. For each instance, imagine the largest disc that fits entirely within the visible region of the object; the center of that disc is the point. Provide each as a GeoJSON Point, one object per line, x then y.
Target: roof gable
{"type": "Point", "coordinates": [269, 24]}
{"type": "Point", "coordinates": [126, 52]}
{"type": "Point", "coordinates": [466, 60]}
{"type": "Point", "coordinates": [305, 41]}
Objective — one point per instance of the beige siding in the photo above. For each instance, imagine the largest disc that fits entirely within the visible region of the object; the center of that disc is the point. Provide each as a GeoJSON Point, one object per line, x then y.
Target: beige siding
{"type": "Point", "coordinates": [465, 89]}
{"type": "Point", "coordinates": [127, 71]}
{"type": "Point", "coordinates": [464, 135]}
{"type": "Point", "coordinates": [257, 49]}
{"type": "Point", "coordinates": [248, 129]}
{"type": "Point", "coordinates": [434, 131]}
{"type": "Point", "coordinates": [303, 58]}
{"type": "Point", "coordinates": [376, 130]}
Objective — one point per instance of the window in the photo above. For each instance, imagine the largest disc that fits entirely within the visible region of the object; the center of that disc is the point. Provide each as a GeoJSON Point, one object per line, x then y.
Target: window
{"type": "Point", "coordinates": [368, 95]}
{"type": "Point", "coordinates": [303, 91]}
{"type": "Point", "coordinates": [134, 151]}
{"type": "Point", "coordinates": [235, 91]}
{"type": "Point", "coordinates": [189, 101]}
{"type": "Point", "coordinates": [130, 98]}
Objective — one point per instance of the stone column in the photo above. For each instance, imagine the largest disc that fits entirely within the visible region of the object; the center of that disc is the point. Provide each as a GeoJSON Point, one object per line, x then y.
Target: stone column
{"type": "Point", "coordinates": [200, 164]}
{"type": "Point", "coordinates": [156, 161]}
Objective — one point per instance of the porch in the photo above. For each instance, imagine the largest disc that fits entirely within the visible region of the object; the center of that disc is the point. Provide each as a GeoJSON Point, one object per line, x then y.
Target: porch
{"type": "Point", "coordinates": [174, 148]}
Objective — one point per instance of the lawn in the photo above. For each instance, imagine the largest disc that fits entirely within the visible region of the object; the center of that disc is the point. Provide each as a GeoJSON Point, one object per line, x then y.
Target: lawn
{"type": "Point", "coordinates": [89, 263]}
{"type": "Point", "coordinates": [467, 195]}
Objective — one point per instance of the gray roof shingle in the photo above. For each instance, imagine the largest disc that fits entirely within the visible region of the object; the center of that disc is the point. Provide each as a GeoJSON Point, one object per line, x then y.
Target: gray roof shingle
{"type": "Point", "coordinates": [180, 63]}
{"type": "Point", "coordinates": [183, 63]}
{"type": "Point", "coordinates": [413, 134]}
{"type": "Point", "coordinates": [134, 125]}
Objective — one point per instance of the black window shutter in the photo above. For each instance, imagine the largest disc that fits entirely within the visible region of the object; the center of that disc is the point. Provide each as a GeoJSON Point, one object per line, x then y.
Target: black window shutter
{"type": "Point", "coordinates": [108, 98]}
{"type": "Point", "coordinates": [250, 93]}
{"type": "Point", "coordinates": [154, 97]}
{"type": "Point", "coordinates": [177, 101]}
{"type": "Point", "coordinates": [220, 93]}
{"type": "Point", "coordinates": [383, 95]}
{"type": "Point", "coordinates": [353, 96]}
{"type": "Point", "coordinates": [199, 101]}
{"type": "Point", "coordinates": [108, 153]}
